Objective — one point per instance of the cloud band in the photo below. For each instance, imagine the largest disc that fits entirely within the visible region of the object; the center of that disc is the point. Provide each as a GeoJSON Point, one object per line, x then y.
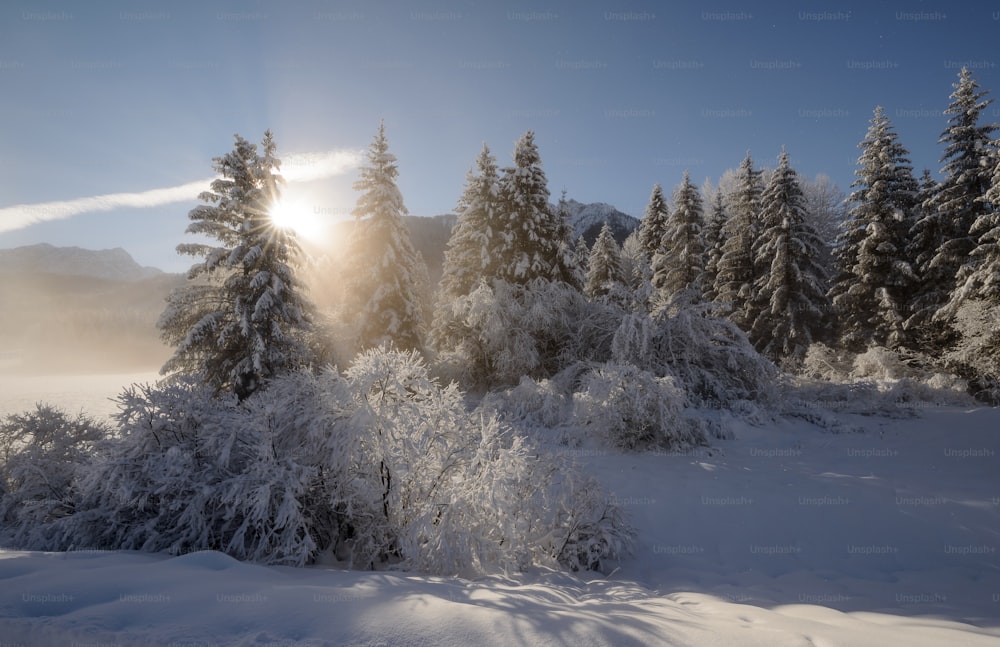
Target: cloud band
{"type": "Point", "coordinates": [296, 167]}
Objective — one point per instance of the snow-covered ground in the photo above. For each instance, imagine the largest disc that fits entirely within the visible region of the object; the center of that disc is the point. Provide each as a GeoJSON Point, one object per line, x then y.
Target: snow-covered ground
{"type": "Point", "coordinates": [786, 535]}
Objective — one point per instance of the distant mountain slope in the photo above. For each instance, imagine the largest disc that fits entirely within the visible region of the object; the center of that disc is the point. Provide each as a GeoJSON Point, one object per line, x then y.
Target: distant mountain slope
{"type": "Point", "coordinates": [587, 220]}
{"type": "Point", "coordinates": [111, 264]}
{"type": "Point", "coordinates": [67, 309]}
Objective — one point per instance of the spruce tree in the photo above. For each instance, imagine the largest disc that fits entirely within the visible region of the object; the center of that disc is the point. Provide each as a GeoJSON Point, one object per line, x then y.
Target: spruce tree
{"type": "Point", "coordinates": [737, 272]}
{"type": "Point", "coordinates": [679, 265]}
{"type": "Point", "coordinates": [467, 259]}
{"type": "Point", "coordinates": [654, 223]}
{"type": "Point", "coordinates": [242, 317]}
{"type": "Point", "coordinates": [605, 274]}
{"type": "Point", "coordinates": [790, 297]}
{"type": "Point", "coordinates": [875, 281]}
{"type": "Point", "coordinates": [713, 244]}
{"type": "Point", "coordinates": [979, 279]}
{"type": "Point", "coordinates": [945, 230]}
{"type": "Point", "coordinates": [534, 238]}
{"type": "Point", "coordinates": [388, 283]}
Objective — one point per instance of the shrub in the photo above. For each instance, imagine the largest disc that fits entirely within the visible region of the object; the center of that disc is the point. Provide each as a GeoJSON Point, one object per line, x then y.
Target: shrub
{"type": "Point", "coordinates": [41, 453]}
{"type": "Point", "coordinates": [632, 409]}
{"type": "Point", "coordinates": [379, 466]}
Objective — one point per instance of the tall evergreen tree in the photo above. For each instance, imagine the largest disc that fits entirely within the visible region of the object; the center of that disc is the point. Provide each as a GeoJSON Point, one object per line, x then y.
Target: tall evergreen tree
{"type": "Point", "coordinates": [605, 274]}
{"type": "Point", "coordinates": [713, 244]}
{"type": "Point", "coordinates": [945, 230]}
{"type": "Point", "coordinates": [389, 278]}
{"type": "Point", "coordinates": [654, 223]}
{"type": "Point", "coordinates": [468, 256]}
{"type": "Point", "coordinates": [875, 281]}
{"type": "Point", "coordinates": [679, 265]}
{"type": "Point", "coordinates": [980, 278]}
{"type": "Point", "coordinates": [791, 297]}
{"type": "Point", "coordinates": [242, 317]}
{"type": "Point", "coordinates": [737, 272]}
{"type": "Point", "coordinates": [535, 238]}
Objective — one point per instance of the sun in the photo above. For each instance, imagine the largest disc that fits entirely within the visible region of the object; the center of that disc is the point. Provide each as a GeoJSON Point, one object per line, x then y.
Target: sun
{"type": "Point", "coordinates": [299, 218]}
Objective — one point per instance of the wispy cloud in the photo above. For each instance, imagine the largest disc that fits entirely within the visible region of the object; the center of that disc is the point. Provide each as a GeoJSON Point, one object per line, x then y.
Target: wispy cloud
{"type": "Point", "coordinates": [296, 167]}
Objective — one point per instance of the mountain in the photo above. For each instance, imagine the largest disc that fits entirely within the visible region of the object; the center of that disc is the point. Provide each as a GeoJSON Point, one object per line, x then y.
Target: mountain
{"type": "Point", "coordinates": [67, 309]}
{"type": "Point", "coordinates": [587, 220]}
{"type": "Point", "coordinates": [110, 264]}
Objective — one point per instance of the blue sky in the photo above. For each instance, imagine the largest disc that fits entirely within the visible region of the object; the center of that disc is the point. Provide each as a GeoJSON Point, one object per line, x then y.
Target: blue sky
{"type": "Point", "coordinates": [122, 97]}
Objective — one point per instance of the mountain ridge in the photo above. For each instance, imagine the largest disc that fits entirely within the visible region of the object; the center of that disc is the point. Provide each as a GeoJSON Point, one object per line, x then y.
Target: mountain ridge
{"type": "Point", "coordinates": [114, 264]}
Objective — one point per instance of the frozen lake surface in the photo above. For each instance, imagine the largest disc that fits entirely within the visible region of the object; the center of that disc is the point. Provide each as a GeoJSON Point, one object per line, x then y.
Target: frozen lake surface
{"type": "Point", "coordinates": [92, 394]}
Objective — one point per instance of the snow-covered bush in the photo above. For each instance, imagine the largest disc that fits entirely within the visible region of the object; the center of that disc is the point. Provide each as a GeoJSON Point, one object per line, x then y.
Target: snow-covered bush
{"type": "Point", "coordinates": [377, 466]}
{"type": "Point", "coordinates": [190, 471]}
{"type": "Point", "coordinates": [41, 452]}
{"type": "Point", "coordinates": [461, 490]}
{"type": "Point", "coordinates": [822, 362]}
{"type": "Point", "coordinates": [976, 356]}
{"type": "Point", "coordinates": [877, 382]}
{"type": "Point", "coordinates": [534, 403]}
{"type": "Point", "coordinates": [632, 409]}
{"type": "Point", "coordinates": [709, 357]}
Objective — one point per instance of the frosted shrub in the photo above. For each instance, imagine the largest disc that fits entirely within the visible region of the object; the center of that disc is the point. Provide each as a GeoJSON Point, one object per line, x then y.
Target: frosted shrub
{"type": "Point", "coordinates": [976, 356]}
{"type": "Point", "coordinates": [632, 409]}
{"type": "Point", "coordinates": [379, 466]}
{"type": "Point", "coordinates": [194, 472]}
{"type": "Point", "coordinates": [824, 363]}
{"type": "Point", "coordinates": [879, 364]}
{"type": "Point", "coordinates": [544, 403]}
{"type": "Point", "coordinates": [463, 492]}
{"type": "Point", "coordinates": [710, 357]}
{"type": "Point", "coordinates": [41, 452]}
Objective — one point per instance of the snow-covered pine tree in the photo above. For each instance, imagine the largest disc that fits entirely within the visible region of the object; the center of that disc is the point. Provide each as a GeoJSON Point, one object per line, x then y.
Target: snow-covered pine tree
{"type": "Point", "coordinates": [979, 279]}
{"type": "Point", "coordinates": [654, 223]}
{"type": "Point", "coordinates": [582, 252]}
{"type": "Point", "coordinates": [389, 278]}
{"type": "Point", "coordinates": [826, 209]}
{"type": "Point", "coordinates": [713, 243]}
{"type": "Point", "coordinates": [679, 265]}
{"type": "Point", "coordinates": [874, 282]}
{"type": "Point", "coordinates": [924, 239]}
{"type": "Point", "coordinates": [467, 258]}
{"type": "Point", "coordinates": [579, 253]}
{"type": "Point", "coordinates": [535, 238]}
{"type": "Point", "coordinates": [736, 277]}
{"type": "Point", "coordinates": [635, 269]}
{"type": "Point", "coordinates": [242, 317]}
{"type": "Point", "coordinates": [791, 297]}
{"type": "Point", "coordinates": [604, 267]}
{"type": "Point", "coordinates": [958, 201]}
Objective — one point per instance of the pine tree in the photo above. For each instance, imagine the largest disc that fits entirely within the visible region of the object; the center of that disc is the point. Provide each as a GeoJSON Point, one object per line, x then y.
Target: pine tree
{"type": "Point", "coordinates": [654, 223]}
{"type": "Point", "coordinates": [945, 230]}
{"type": "Point", "coordinates": [467, 259]}
{"type": "Point", "coordinates": [713, 244]}
{"type": "Point", "coordinates": [534, 238]}
{"type": "Point", "coordinates": [791, 297]}
{"type": "Point", "coordinates": [737, 273]}
{"type": "Point", "coordinates": [604, 274]}
{"type": "Point", "coordinates": [389, 280]}
{"type": "Point", "coordinates": [582, 252]}
{"type": "Point", "coordinates": [874, 283]}
{"type": "Point", "coordinates": [242, 317]}
{"type": "Point", "coordinates": [679, 265]}
{"type": "Point", "coordinates": [980, 278]}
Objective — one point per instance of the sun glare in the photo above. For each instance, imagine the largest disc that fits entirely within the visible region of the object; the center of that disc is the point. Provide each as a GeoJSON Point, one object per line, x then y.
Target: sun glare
{"type": "Point", "coordinates": [298, 218]}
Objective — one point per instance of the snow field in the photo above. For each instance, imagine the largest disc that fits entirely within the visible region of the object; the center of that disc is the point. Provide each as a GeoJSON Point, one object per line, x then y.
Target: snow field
{"type": "Point", "coordinates": [786, 535]}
